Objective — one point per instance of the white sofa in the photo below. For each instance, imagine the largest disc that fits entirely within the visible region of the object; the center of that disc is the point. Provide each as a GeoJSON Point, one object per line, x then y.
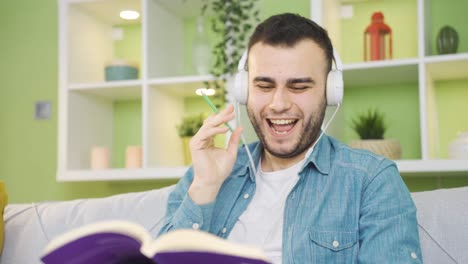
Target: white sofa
{"type": "Point", "coordinates": [442, 216]}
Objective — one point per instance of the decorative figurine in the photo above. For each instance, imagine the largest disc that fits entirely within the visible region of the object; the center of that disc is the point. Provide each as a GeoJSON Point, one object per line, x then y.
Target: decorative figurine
{"type": "Point", "coordinates": [376, 33]}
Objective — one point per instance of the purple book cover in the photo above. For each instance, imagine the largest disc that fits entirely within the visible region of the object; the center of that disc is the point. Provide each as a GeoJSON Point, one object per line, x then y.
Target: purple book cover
{"type": "Point", "coordinates": [202, 258]}
{"type": "Point", "coordinates": [112, 248]}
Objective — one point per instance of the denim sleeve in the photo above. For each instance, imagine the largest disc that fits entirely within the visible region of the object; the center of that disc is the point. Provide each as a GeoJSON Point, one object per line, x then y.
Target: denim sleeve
{"type": "Point", "coordinates": [387, 222]}
{"type": "Point", "coordinates": [182, 212]}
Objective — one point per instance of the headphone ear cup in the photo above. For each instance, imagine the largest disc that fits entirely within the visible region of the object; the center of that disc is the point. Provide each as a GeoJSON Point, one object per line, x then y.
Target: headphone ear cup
{"type": "Point", "coordinates": [241, 91]}
{"type": "Point", "coordinates": [334, 88]}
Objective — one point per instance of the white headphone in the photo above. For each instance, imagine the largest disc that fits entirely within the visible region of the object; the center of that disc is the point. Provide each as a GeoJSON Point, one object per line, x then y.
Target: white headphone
{"type": "Point", "coordinates": [334, 87]}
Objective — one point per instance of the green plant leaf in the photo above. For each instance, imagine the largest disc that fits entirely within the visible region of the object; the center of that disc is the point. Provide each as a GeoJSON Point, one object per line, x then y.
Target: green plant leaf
{"type": "Point", "coordinates": [370, 125]}
{"type": "Point", "coordinates": [232, 21]}
{"type": "Point", "coordinates": [190, 125]}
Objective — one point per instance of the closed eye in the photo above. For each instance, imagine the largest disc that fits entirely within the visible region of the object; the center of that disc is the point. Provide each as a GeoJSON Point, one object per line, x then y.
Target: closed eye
{"type": "Point", "coordinates": [265, 85]}
{"type": "Point", "coordinates": [300, 84]}
{"type": "Point", "coordinates": [299, 88]}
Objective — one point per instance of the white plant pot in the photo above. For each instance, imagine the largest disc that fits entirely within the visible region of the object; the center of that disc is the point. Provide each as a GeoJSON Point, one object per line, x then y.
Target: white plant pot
{"type": "Point", "coordinates": [458, 148]}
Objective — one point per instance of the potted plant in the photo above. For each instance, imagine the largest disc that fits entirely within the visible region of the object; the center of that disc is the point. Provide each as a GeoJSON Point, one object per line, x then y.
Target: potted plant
{"type": "Point", "coordinates": [232, 21]}
{"type": "Point", "coordinates": [187, 129]}
{"type": "Point", "coordinates": [371, 127]}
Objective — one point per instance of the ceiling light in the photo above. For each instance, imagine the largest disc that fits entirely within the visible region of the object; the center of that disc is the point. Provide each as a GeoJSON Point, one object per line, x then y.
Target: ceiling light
{"type": "Point", "coordinates": [129, 14]}
{"type": "Point", "coordinates": [208, 92]}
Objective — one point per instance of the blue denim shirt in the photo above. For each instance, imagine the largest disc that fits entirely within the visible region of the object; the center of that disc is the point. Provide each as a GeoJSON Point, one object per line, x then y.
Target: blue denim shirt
{"type": "Point", "coordinates": [349, 206]}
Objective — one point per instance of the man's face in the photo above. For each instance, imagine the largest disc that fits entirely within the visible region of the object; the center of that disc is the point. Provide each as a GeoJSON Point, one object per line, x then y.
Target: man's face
{"type": "Point", "coordinates": [286, 102]}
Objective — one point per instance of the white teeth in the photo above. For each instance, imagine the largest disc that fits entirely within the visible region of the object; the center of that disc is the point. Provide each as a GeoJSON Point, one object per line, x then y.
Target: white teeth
{"type": "Point", "coordinates": [281, 121]}
{"type": "Point", "coordinates": [279, 132]}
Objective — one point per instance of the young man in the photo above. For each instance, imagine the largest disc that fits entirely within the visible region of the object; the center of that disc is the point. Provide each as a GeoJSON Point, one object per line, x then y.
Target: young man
{"type": "Point", "coordinates": [313, 199]}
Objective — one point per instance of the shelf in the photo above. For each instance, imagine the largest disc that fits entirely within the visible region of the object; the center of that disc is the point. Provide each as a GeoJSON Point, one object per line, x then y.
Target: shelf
{"type": "Point", "coordinates": [380, 72]}
{"type": "Point", "coordinates": [433, 167]}
{"type": "Point", "coordinates": [406, 167]}
{"type": "Point", "coordinates": [180, 86]}
{"type": "Point", "coordinates": [115, 90]}
{"type": "Point", "coordinates": [347, 33]}
{"type": "Point", "coordinates": [122, 174]}
{"type": "Point", "coordinates": [417, 92]}
{"type": "Point", "coordinates": [439, 13]}
{"type": "Point", "coordinates": [447, 67]}
{"type": "Point", "coordinates": [109, 84]}
{"type": "Point", "coordinates": [181, 79]}
{"type": "Point", "coordinates": [90, 41]}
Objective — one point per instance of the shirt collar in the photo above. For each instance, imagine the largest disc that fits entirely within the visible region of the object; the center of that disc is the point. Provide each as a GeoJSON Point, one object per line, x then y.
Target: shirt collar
{"type": "Point", "coordinates": [320, 158]}
{"type": "Point", "coordinates": [240, 169]}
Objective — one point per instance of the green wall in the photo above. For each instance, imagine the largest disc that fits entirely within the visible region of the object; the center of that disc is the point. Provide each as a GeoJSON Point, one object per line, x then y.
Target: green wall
{"type": "Point", "coordinates": [451, 97]}
{"type": "Point", "coordinates": [452, 13]}
{"type": "Point", "coordinates": [127, 129]}
{"type": "Point", "coordinates": [129, 47]}
{"type": "Point", "coordinates": [28, 71]}
{"type": "Point", "coordinates": [359, 100]}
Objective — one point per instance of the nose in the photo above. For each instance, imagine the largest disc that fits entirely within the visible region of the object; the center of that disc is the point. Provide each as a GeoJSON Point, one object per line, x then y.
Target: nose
{"type": "Point", "coordinates": [280, 100]}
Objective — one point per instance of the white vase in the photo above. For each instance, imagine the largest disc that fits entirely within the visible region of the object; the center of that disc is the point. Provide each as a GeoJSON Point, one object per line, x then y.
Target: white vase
{"type": "Point", "coordinates": [201, 50]}
{"type": "Point", "coordinates": [458, 148]}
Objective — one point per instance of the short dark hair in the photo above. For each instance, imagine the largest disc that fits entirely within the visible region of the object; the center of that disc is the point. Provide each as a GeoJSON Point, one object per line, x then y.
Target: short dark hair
{"type": "Point", "coordinates": [288, 29]}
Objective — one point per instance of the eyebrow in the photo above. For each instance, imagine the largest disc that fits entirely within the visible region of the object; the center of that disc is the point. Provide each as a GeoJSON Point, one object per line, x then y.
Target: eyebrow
{"type": "Point", "coordinates": [289, 81]}
{"type": "Point", "coordinates": [300, 80]}
{"type": "Point", "coordinates": [264, 79]}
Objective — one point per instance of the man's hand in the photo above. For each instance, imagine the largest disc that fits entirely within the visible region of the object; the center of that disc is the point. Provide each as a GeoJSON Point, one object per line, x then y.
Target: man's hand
{"type": "Point", "coordinates": [212, 165]}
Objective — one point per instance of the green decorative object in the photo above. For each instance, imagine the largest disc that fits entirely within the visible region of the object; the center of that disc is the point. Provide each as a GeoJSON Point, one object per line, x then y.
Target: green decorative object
{"type": "Point", "coordinates": [371, 127]}
{"type": "Point", "coordinates": [231, 21]}
{"type": "Point", "coordinates": [186, 130]}
{"type": "Point", "coordinates": [190, 125]}
{"type": "Point", "coordinates": [447, 40]}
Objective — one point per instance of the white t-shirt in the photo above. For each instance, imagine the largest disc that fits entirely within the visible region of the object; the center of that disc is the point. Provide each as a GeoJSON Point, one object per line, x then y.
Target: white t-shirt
{"type": "Point", "coordinates": [261, 224]}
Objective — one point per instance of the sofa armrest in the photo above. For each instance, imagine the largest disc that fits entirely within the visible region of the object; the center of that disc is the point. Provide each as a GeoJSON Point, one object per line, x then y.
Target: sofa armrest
{"type": "Point", "coordinates": [29, 227]}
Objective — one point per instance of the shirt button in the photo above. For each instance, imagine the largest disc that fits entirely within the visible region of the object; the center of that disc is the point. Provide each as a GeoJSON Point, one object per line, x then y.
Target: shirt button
{"type": "Point", "coordinates": [196, 226]}
{"type": "Point", "coordinates": [246, 196]}
{"type": "Point", "coordinates": [224, 230]}
{"type": "Point", "coordinates": [413, 255]}
{"type": "Point", "coordinates": [335, 244]}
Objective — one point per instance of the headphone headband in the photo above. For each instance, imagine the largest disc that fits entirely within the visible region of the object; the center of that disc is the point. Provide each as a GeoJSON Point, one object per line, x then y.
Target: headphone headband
{"type": "Point", "coordinates": [242, 61]}
{"type": "Point", "coordinates": [337, 61]}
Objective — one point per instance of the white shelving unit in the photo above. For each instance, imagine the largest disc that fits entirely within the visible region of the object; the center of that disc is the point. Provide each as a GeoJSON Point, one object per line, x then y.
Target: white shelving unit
{"type": "Point", "coordinates": [87, 101]}
{"type": "Point", "coordinates": [425, 69]}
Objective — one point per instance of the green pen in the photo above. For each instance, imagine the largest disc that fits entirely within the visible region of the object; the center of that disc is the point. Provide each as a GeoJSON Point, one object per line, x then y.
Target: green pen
{"type": "Point", "coordinates": [213, 107]}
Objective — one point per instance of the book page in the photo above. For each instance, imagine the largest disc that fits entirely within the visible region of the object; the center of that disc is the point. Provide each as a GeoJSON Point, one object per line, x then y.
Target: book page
{"type": "Point", "coordinates": [189, 240]}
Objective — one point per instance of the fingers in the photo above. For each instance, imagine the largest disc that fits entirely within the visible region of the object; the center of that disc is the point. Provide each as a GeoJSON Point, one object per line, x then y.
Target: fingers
{"type": "Point", "coordinates": [234, 141]}
{"type": "Point", "coordinates": [215, 124]}
{"type": "Point", "coordinates": [212, 126]}
{"type": "Point", "coordinates": [223, 116]}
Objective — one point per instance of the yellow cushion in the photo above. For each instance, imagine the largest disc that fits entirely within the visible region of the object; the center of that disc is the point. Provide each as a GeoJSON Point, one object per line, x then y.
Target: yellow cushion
{"type": "Point", "coordinates": [3, 203]}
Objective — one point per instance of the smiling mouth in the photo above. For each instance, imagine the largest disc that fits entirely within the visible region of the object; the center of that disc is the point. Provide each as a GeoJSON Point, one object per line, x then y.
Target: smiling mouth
{"type": "Point", "coordinates": [281, 126]}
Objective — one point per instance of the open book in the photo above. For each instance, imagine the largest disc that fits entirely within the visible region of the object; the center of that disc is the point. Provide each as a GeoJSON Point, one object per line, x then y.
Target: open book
{"type": "Point", "coordinates": [121, 242]}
